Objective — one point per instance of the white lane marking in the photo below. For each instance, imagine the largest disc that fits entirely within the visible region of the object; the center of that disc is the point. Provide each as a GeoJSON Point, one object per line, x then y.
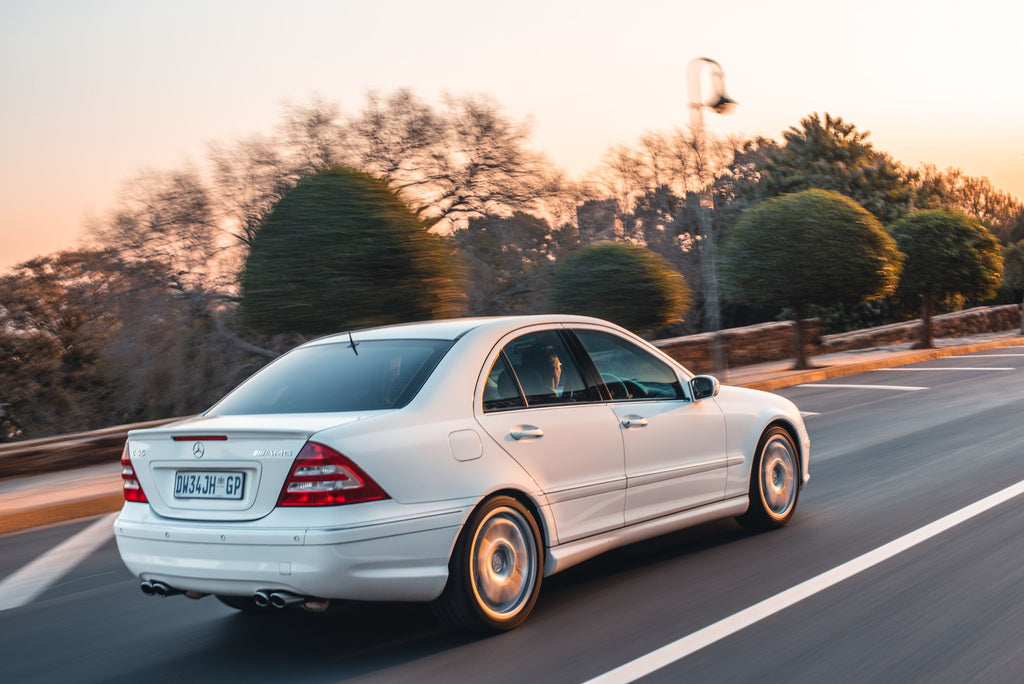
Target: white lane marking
{"type": "Point", "coordinates": [944, 368]}
{"type": "Point", "coordinates": [895, 388]}
{"type": "Point", "coordinates": [677, 650]}
{"type": "Point", "coordinates": [28, 583]}
{"type": "Point", "coordinates": [806, 414]}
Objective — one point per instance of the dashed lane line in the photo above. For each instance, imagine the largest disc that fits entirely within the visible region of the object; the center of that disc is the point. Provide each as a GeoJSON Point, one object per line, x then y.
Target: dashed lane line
{"type": "Point", "coordinates": [894, 388]}
{"type": "Point", "coordinates": [677, 650]}
{"type": "Point", "coordinates": [982, 356]}
{"type": "Point", "coordinates": [911, 369]}
{"type": "Point", "coordinates": [25, 585]}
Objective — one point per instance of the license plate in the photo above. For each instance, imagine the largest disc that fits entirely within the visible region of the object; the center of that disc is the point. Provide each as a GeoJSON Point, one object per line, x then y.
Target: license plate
{"type": "Point", "coordinates": [208, 484]}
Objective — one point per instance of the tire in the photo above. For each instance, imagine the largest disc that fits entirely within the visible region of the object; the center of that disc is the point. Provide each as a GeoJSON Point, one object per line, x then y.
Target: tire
{"type": "Point", "coordinates": [495, 571]}
{"type": "Point", "coordinates": [774, 482]}
{"type": "Point", "coordinates": [246, 604]}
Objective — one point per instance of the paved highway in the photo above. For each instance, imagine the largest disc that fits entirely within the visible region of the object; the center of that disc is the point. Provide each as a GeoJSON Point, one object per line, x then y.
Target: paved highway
{"type": "Point", "coordinates": [829, 598]}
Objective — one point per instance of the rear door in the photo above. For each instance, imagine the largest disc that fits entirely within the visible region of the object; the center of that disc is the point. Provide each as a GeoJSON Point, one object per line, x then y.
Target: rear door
{"type": "Point", "coordinates": [537, 406]}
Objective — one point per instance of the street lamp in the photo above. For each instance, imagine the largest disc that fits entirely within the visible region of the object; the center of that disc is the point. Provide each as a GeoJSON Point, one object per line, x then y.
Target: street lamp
{"type": "Point", "coordinates": [720, 103]}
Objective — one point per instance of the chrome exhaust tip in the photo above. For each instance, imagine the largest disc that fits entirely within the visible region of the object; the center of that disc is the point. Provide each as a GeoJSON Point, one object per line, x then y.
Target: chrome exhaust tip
{"type": "Point", "coordinates": [147, 588]}
{"type": "Point", "coordinates": [280, 599]}
{"type": "Point", "coordinates": [163, 590]}
{"type": "Point", "coordinates": [261, 599]}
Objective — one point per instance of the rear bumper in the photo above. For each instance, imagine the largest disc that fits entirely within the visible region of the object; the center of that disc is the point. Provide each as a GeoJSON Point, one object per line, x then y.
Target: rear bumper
{"type": "Point", "coordinates": [397, 559]}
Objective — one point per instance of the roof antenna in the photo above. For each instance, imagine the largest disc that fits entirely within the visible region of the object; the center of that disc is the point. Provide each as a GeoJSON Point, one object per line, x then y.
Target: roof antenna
{"type": "Point", "coordinates": [352, 343]}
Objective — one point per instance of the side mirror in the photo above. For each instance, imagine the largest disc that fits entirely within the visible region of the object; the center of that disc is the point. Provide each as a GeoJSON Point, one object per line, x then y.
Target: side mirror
{"type": "Point", "coordinates": [704, 387]}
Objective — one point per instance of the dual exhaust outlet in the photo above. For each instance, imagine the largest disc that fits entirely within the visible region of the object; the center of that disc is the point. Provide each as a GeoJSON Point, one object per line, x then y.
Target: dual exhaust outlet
{"type": "Point", "coordinates": [262, 598]}
{"type": "Point", "coordinates": [277, 599]}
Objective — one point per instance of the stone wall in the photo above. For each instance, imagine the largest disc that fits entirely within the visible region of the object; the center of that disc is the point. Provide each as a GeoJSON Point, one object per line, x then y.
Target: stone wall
{"type": "Point", "coordinates": [742, 346]}
{"type": "Point", "coordinates": [774, 341]}
{"type": "Point", "coordinates": [981, 319]}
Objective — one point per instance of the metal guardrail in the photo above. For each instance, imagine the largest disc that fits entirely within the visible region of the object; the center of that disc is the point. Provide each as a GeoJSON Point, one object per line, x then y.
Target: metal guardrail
{"type": "Point", "coordinates": [46, 454]}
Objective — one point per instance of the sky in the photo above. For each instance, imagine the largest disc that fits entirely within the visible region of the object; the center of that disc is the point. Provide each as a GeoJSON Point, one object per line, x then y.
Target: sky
{"type": "Point", "coordinates": [95, 91]}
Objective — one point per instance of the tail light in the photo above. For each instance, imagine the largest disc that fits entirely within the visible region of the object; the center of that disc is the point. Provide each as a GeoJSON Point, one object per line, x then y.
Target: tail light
{"type": "Point", "coordinates": [321, 476]}
{"type": "Point", "coordinates": [129, 481]}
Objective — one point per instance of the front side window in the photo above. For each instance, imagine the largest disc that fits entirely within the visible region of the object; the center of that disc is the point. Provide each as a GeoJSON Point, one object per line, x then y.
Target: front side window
{"type": "Point", "coordinates": [628, 371]}
{"type": "Point", "coordinates": [535, 369]}
{"type": "Point", "coordinates": [333, 377]}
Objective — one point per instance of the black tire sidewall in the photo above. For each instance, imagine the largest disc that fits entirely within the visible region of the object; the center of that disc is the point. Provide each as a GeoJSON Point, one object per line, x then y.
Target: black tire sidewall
{"type": "Point", "coordinates": [460, 605]}
{"type": "Point", "coordinates": [758, 515]}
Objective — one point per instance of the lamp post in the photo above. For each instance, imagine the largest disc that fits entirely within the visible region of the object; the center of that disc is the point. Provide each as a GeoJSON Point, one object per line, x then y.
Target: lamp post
{"type": "Point", "coordinates": [720, 103]}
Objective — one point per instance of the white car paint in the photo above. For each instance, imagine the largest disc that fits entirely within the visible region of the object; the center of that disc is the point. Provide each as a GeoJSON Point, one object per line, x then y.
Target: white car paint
{"type": "Point", "coordinates": [594, 480]}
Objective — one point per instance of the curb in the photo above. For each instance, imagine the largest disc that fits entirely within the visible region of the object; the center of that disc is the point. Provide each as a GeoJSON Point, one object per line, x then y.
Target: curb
{"type": "Point", "coordinates": [60, 512]}
{"type": "Point", "coordinates": [108, 503]}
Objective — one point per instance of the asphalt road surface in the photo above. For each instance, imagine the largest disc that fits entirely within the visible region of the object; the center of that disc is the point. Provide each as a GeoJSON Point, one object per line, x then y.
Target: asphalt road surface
{"type": "Point", "coordinates": [823, 600]}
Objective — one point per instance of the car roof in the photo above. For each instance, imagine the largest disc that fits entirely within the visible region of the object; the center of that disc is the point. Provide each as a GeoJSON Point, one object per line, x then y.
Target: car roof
{"type": "Point", "coordinates": [454, 328]}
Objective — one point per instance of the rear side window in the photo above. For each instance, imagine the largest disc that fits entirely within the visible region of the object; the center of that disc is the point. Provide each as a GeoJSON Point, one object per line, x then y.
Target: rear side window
{"type": "Point", "coordinates": [536, 369]}
{"type": "Point", "coordinates": [629, 371]}
{"type": "Point", "coordinates": [333, 377]}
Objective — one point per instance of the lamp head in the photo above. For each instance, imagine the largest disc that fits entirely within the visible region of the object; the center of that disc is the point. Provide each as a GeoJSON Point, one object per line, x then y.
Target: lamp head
{"type": "Point", "coordinates": [724, 104]}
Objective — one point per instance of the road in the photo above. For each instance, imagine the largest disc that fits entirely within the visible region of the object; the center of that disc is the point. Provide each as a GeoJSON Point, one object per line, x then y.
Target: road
{"type": "Point", "coordinates": [893, 451]}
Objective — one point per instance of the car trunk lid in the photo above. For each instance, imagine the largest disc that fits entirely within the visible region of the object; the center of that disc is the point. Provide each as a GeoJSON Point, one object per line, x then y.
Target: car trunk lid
{"type": "Point", "coordinates": [222, 468]}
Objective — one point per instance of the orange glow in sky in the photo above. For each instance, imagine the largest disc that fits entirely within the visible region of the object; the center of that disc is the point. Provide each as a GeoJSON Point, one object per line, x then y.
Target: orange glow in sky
{"type": "Point", "coordinates": [96, 91]}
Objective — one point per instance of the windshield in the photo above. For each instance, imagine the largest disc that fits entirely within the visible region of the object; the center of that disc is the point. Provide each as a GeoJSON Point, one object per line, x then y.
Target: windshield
{"type": "Point", "coordinates": [333, 377]}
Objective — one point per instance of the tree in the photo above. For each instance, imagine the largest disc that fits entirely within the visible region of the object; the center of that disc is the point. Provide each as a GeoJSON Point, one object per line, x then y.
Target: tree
{"type": "Point", "coordinates": [830, 154]}
{"type": "Point", "coordinates": [1013, 261]}
{"type": "Point", "coordinates": [811, 247]}
{"type": "Point", "coordinates": [947, 255]}
{"type": "Point", "coordinates": [506, 258]}
{"type": "Point", "coordinates": [341, 251]}
{"type": "Point", "coordinates": [60, 320]}
{"type": "Point", "coordinates": [626, 284]}
{"type": "Point", "coordinates": [165, 218]}
{"type": "Point", "coordinates": [249, 177]}
{"type": "Point", "coordinates": [954, 190]}
{"type": "Point", "coordinates": [465, 161]}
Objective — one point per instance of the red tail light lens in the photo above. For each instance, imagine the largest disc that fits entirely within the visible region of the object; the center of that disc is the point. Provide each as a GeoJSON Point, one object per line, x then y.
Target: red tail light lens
{"type": "Point", "coordinates": [129, 481]}
{"type": "Point", "coordinates": [321, 476]}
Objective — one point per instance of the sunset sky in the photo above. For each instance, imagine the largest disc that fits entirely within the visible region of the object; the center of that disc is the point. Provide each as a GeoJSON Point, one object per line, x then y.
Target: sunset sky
{"type": "Point", "coordinates": [96, 91]}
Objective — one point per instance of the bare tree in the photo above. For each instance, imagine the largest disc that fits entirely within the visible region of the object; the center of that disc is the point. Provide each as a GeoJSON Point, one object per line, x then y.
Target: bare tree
{"type": "Point", "coordinates": [954, 190]}
{"type": "Point", "coordinates": [249, 177]}
{"type": "Point", "coordinates": [166, 218]}
{"type": "Point", "coordinates": [394, 136]}
{"type": "Point", "coordinates": [314, 136]}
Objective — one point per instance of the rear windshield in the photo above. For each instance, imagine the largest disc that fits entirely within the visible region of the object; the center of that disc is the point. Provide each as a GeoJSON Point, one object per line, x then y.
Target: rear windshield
{"type": "Point", "coordinates": [333, 377]}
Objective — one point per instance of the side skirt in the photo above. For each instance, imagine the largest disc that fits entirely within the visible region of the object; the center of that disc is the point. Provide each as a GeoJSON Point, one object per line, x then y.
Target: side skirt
{"type": "Point", "coordinates": [564, 556]}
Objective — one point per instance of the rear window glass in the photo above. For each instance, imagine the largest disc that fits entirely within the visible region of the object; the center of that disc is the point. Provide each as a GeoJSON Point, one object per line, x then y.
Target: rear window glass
{"type": "Point", "coordinates": [332, 377]}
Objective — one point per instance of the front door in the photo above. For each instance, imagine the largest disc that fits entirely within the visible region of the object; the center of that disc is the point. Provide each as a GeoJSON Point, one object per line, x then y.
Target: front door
{"type": "Point", "coordinates": [675, 448]}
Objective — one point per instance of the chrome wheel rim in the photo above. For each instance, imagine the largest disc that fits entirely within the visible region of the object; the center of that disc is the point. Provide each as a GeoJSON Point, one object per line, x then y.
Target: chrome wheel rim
{"type": "Point", "coordinates": [778, 476]}
{"type": "Point", "coordinates": [504, 562]}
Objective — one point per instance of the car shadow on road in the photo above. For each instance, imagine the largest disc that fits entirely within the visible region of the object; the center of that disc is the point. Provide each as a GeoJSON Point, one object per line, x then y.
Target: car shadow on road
{"type": "Point", "coordinates": [356, 640]}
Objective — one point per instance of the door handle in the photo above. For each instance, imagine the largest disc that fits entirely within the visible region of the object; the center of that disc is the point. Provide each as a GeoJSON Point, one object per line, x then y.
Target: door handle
{"type": "Point", "coordinates": [525, 432]}
{"type": "Point", "coordinates": [633, 421]}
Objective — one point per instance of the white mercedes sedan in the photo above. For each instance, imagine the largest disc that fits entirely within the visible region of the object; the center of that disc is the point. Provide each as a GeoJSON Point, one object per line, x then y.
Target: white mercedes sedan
{"type": "Point", "coordinates": [457, 462]}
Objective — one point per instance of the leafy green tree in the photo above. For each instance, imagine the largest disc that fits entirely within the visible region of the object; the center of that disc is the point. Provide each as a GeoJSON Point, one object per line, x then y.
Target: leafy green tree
{"type": "Point", "coordinates": [811, 247]}
{"type": "Point", "coordinates": [1013, 261]}
{"type": "Point", "coordinates": [947, 255]}
{"type": "Point", "coordinates": [341, 251]}
{"type": "Point", "coordinates": [626, 284]}
{"type": "Point", "coordinates": [830, 154]}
